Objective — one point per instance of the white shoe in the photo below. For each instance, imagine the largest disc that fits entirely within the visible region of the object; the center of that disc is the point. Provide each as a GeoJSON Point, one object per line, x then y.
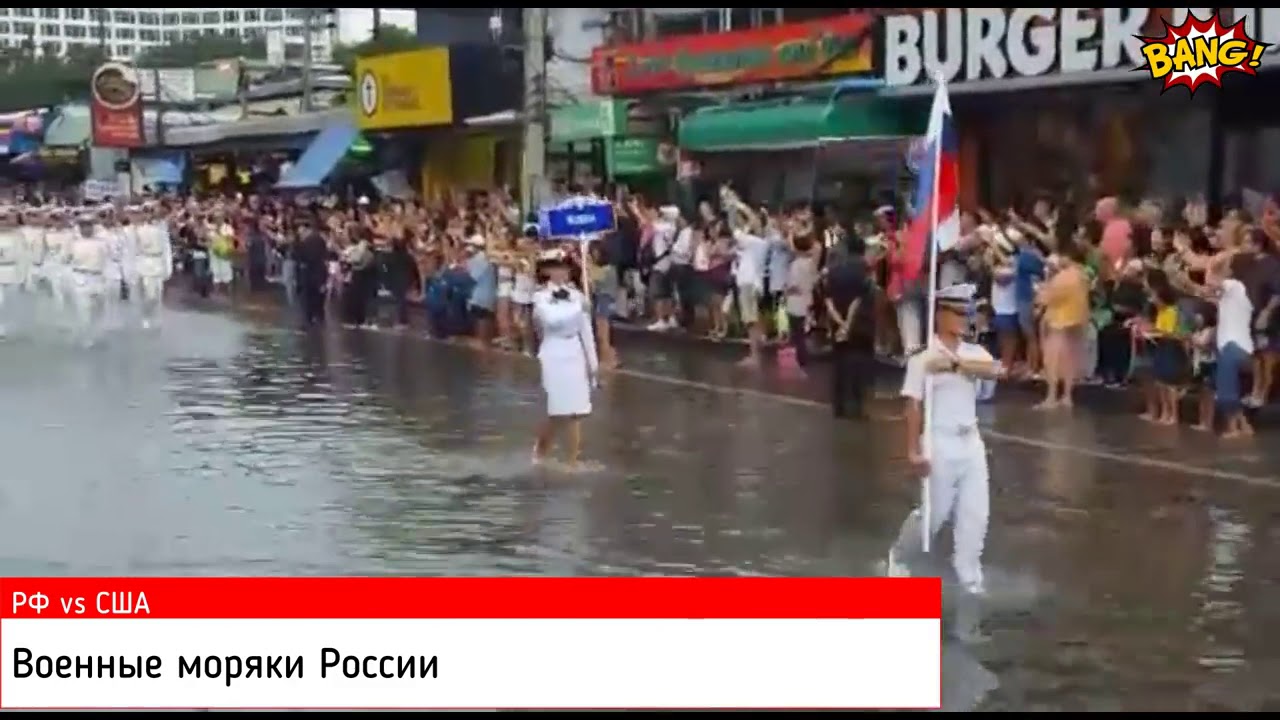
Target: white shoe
{"type": "Point", "coordinates": [658, 326]}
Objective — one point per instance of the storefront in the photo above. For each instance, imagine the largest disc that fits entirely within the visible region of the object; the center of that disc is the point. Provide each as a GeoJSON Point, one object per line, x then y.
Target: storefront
{"type": "Point", "coordinates": [399, 94]}
{"type": "Point", "coordinates": [1046, 100]}
{"type": "Point", "coordinates": [773, 96]}
{"type": "Point", "coordinates": [593, 141]}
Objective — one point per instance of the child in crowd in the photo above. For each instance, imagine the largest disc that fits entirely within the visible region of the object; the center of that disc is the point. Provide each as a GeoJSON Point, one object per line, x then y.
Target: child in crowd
{"type": "Point", "coordinates": [1169, 356]}
{"type": "Point", "coordinates": [1204, 360]}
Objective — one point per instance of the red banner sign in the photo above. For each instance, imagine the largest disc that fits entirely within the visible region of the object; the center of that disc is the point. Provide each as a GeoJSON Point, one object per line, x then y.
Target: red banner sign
{"type": "Point", "coordinates": [840, 45]}
{"type": "Point", "coordinates": [116, 106]}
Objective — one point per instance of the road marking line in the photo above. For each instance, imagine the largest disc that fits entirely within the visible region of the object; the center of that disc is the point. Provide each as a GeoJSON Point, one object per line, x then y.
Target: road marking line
{"type": "Point", "coordinates": [987, 432]}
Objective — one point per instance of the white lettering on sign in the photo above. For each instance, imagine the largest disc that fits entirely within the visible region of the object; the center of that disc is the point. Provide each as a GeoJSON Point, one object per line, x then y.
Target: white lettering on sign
{"type": "Point", "coordinates": [576, 220]}
{"type": "Point", "coordinates": [980, 43]}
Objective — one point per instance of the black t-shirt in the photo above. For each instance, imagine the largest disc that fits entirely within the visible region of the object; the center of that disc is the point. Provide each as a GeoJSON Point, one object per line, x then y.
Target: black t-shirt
{"type": "Point", "coordinates": [1128, 299]}
{"type": "Point", "coordinates": [847, 281]}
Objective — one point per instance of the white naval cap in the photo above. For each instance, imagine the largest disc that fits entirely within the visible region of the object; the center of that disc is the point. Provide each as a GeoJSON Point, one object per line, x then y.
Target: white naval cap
{"type": "Point", "coordinates": [956, 295]}
{"type": "Point", "coordinates": [362, 200]}
{"type": "Point", "coordinates": [552, 255]}
{"type": "Point", "coordinates": [86, 216]}
{"type": "Point", "coordinates": [476, 240]}
{"type": "Point", "coordinates": [669, 212]}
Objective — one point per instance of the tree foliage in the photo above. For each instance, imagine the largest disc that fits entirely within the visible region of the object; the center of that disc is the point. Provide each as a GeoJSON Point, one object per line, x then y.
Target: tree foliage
{"type": "Point", "coordinates": [205, 48]}
{"type": "Point", "coordinates": [29, 81]}
{"type": "Point", "coordinates": [391, 38]}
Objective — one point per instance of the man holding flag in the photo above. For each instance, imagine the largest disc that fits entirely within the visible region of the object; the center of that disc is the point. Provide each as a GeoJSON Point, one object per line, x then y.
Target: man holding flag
{"type": "Point", "coordinates": [940, 387]}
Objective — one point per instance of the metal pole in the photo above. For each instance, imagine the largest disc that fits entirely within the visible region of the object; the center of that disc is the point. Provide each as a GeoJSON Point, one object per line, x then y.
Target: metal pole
{"type": "Point", "coordinates": [533, 188]}
{"type": "Point", "coordinates": [377, 22]}
{"type": "Point", "coordinates": [155, 77]}
{"type": "Point", "coordinates": [308, 14]}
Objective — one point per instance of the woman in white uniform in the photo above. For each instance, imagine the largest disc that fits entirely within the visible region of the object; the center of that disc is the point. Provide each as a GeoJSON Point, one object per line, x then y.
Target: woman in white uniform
{"type": "Point", "coordinates": [566, 354]}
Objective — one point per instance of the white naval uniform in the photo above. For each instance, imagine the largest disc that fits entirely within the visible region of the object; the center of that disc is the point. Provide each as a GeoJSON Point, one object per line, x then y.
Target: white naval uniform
{"type": "Point", "coordinates": [567, 351]}
{"type": "Point", "coordinates": [90, 262]}
{"type": "Point", "coordinates": [55, 270]}
{"type": "Point", "coordinates": [154, 264]}
{"type": "Point", "coordinates": [12, 247]}
{"type": "Point", "coordinates": [33, 255]}
{"type": "Point", "coordinates": [958, 476]}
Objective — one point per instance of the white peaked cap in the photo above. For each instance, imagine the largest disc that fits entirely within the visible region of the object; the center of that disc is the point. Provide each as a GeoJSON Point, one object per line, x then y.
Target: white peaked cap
{"type": "Point", "coordinates": [961, 294]}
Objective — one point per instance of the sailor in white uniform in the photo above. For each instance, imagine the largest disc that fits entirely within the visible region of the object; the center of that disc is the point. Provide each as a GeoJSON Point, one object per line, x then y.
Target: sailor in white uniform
{"type": "Point", "coordinates": [12, 263]}
{"type": "Point", "coordinates": [956, 465]}
{"type": "Point", "coordinates": [90, 255]}
{"type": "Point", "coordinates": [113, 233]}
{"type": "Point", "coordinates": [33, 228]}
{"type": "Point", "coordinates": [566, 354]}
{"type": "Point", "coordinates": [55, 275]}
{"type": "Point", "coordinates": [154, 263]}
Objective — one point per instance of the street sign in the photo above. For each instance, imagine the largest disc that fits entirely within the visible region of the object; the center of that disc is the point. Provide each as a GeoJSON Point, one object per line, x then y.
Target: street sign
{"type": "Point", "coordinates": [577, 217]}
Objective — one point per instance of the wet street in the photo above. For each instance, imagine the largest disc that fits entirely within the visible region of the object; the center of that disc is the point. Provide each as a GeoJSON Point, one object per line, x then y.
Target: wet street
{"type": "Point", "coordinates": [1130, 567]}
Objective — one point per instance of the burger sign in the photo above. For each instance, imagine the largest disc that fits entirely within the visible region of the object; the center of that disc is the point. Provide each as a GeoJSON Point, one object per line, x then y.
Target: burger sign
{"type": "Point", "coordinates": [116, 106]}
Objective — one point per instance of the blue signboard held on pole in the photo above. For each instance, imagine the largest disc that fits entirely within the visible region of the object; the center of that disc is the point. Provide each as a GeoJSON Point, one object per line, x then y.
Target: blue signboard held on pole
{"type": "Point", "coordinates": [577, 217]}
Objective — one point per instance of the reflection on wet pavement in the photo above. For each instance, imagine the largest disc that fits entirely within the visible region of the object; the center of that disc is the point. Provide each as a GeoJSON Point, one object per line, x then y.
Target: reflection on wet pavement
{"type": "Point", "coordinates": [1129, 565]}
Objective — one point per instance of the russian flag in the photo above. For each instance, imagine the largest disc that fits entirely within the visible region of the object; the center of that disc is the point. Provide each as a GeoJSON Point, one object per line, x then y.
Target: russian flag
{"type": "Point", "coordinates": [938, 177]}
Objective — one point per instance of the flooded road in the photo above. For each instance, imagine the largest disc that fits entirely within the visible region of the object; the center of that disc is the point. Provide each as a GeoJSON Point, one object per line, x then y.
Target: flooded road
{"type": "Point", "coordinates": [1130, 567]}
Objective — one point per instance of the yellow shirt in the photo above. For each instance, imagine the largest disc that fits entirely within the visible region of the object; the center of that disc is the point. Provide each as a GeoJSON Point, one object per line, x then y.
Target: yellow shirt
{"type": "Point", "coordinates": [1167, 320]}
{"type": "Point", "coordinates": [1067, 299]}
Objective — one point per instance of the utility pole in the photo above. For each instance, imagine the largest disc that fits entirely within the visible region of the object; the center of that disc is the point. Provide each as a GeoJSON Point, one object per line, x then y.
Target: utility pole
{"type": "Point", "coordinates": [377, 22]}
{"type": "Point", "coordinates": [308, 15]}
{"type": "Point", "coordinates": [533, 189]}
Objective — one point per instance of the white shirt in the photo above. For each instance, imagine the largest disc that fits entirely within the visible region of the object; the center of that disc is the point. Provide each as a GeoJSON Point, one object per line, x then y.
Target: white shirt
{"type": "Point", "coordinates": [752, 251]}
{"type": "Point", "coordinates": [1004, 296]}
{"type": "Point", "coordinates": [663, 232]}
{"type": "Point", "coordinates": [1234, 313]}
{"type": "Point", "coordinates": [802, 275]}
{"type": "Point", "coordinates": [955, 396]}
{"type": "Point", "coordinates": [682, 251]}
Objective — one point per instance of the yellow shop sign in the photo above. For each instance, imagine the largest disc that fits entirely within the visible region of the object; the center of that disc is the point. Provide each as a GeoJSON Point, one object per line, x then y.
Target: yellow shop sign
{"type": "Point", "coordinates": [404, 89]}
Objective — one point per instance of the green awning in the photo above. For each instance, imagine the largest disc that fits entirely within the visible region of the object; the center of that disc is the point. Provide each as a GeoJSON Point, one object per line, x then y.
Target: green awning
{"type": "Point", "coordinates": [797, 123]}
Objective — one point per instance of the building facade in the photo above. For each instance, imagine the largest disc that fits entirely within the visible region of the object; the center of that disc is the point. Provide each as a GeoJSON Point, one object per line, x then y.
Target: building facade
{"type": "Point", "coordinates": [125, 32]}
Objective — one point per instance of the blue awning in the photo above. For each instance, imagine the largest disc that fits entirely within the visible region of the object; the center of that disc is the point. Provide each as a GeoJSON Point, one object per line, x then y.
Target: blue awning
{"type": "Point", "coordinates": [321, 156]}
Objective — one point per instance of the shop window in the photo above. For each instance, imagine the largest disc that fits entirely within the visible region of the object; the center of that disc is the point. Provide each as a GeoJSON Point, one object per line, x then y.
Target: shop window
{"type": "Point", "coordinates": [209, 18]}
{"type": "Point", "coordinates": [685, 23]}
{"type": "Point", "coordinates": [273, 15]}
{"type": "Point", "coordinates": [5, 27]}
{"type": "Point", "coordinates": [125, 33]}
{"type": "Point", "coordinates": [51, 30]}
{"type": "Point", "coordinates": [74, 31]}
{"type": "Point", "coordinates": [172, 18]}
{"type": "Point", "coordinates": [149, 35]}
{"type": "Point", "coordinates": [190, 18]}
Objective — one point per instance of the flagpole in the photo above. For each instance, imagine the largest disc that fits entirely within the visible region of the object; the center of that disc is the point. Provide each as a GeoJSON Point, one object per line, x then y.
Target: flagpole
{"type": "Point", "coordinates": [926, 443]}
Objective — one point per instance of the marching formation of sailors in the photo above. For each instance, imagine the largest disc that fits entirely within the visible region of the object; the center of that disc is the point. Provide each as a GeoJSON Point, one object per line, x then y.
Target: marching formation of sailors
{"type": "Point", "coordinates": [83, 269]}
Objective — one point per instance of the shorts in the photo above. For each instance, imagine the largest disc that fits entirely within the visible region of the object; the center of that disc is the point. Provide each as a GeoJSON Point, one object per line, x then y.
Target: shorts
{"type": "Point", "coordinates": [660, 285]}
{"type": "Point", "coordinates": [602, 304]}
{"type": "Point", "coordinates": [749, 304]}
{"type": "Point", "coordinates": [506, 288]}
{"type": "Point", "coordinates": [1169, 362]}
{"type": "Point", "coordinates": [1005, 324]}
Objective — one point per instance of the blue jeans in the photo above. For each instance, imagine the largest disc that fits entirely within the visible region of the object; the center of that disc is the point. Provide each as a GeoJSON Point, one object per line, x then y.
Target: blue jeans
{"type": "Point", "coordinates": [1232, 360]}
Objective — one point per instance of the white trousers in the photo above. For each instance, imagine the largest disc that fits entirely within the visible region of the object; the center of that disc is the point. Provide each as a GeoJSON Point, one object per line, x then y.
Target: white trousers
{"type": "Point", "coordinates": [958, 491]}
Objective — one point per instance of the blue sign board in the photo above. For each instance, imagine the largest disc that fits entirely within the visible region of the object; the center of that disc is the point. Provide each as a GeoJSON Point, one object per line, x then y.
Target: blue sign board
{"type": "Point", "coordinates": [577, 217]}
